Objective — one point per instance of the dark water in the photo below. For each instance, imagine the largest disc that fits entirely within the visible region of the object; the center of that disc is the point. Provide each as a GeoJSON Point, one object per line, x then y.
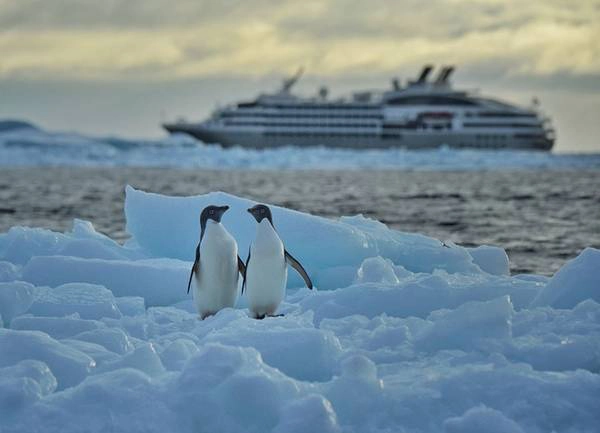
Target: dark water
{"type": "Point", "coordinates": [541, 218]}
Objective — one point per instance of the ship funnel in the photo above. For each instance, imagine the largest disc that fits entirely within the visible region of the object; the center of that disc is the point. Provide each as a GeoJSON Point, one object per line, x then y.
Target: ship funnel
{"type": "Point", "coordinates": [424, 73]}
{"type": "Point", "coordinates": [444, 74]}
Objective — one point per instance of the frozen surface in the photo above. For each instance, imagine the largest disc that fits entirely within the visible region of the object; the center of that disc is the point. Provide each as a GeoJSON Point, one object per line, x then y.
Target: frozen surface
{"type": "Point", "coordinates": [403, 333]}
{"type": "Point", "coordinates": [36, 147]}
{"type": "Point", "coordinates": [575, 282]}
{"type": "Point", "coordinates": [169, 227]}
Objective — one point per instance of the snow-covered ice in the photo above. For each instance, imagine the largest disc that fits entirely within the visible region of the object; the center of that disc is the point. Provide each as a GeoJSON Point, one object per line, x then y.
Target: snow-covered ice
{"type": "Point", "coordinates": [402, 334]}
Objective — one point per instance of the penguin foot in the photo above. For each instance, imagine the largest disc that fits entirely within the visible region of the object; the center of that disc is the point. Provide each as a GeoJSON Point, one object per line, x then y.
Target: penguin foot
{"type": "Point", "coordinates": [276, 315]}
{"type": "Point", "coordinates": [260, 316]}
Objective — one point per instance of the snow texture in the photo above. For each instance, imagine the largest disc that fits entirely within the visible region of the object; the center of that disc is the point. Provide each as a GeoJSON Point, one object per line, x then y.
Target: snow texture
{"type": "Point", "coordinates": [402, 333]}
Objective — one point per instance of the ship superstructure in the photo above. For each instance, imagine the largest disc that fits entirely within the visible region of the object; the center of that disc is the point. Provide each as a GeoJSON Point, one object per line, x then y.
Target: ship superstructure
{"type": "Point", "coordinates": [425, 113]}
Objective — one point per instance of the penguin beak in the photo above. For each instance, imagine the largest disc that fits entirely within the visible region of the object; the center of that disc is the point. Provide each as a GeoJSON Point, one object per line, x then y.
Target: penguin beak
{"type": "Point", "coordinates": [251, 212]}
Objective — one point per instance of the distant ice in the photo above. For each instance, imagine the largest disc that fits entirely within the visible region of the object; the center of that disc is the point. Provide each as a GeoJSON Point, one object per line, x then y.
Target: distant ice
{"type": "Point", "coordinates": [402, 334]}
{"type": "Point", "coordinates": [30, 146]}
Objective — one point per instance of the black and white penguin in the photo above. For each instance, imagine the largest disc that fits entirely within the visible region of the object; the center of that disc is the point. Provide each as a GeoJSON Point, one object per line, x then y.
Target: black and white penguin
{"type": "Point", "coordinates": [217, 265]}
{"type": "Point", "coordinates": [266, 267]}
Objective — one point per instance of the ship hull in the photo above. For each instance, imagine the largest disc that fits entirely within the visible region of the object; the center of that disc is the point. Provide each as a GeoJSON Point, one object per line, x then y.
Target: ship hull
{"type": "Point", "coordinates": [406, 140]}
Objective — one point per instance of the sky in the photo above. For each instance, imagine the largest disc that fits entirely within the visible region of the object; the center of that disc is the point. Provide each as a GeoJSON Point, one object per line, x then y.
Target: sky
{"type": "Point", "coordinates": [120, 67]}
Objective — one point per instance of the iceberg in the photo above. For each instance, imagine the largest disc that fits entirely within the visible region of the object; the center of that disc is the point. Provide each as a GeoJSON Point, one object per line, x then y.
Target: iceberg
{"type": "Point", "coordinates": [403, 332]}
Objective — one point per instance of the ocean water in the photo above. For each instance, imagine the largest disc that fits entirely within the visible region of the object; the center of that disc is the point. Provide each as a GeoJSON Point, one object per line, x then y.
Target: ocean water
{"type": "Point", "coordinates": [541, 217]}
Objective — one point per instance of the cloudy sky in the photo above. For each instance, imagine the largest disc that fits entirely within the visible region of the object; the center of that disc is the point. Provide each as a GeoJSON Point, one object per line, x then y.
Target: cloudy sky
{"type": "Point", "coordinates": [120, 66]}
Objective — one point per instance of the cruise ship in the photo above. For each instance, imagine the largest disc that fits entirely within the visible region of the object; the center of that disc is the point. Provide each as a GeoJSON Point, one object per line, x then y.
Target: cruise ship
{"type": "Point", "coordinates": [422, 114]}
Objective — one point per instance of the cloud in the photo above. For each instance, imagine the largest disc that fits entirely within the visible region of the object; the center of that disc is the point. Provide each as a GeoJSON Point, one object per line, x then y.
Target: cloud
{"type": "Point", "coordinates": [168, 39]}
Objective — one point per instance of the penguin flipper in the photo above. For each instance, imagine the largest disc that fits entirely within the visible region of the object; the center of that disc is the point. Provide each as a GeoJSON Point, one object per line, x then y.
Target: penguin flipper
{"type": "Point", "coordinates": [299, 268]}
{"type": "Point", "coordinates": [195, 268]}
{"type": "Point", "coordinates": [241, 267]}
{"type": "Point", "coordinates": [245, 270]}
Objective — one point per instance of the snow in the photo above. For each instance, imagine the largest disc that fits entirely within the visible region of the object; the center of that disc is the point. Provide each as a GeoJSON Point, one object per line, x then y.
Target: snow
{"type": "Point", "coordinates": [402, 333]}
{"type": "Point", "coordinates": [36, 147]}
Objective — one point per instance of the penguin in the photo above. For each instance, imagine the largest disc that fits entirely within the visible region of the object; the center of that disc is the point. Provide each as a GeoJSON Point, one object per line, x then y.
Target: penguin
{"type": "Point", "coordinates": [217, 265]}
{"type": "Point", "coordinates": [266, 271]}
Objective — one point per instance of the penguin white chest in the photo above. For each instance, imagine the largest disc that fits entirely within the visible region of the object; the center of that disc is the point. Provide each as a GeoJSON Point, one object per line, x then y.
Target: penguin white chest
{"type": "Point", "coordinates": [217, 278]}
{"type": "Point", "coordinates": [266, 274]}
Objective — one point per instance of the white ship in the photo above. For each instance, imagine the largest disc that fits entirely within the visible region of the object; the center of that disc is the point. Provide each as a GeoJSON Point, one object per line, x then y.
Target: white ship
{"type": "Point", "coordinates": [423, 114]}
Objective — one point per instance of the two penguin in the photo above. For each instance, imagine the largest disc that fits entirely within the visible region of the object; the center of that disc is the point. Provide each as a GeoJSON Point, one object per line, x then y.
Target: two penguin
{"type": "Point", "coordinates": [217, 266]}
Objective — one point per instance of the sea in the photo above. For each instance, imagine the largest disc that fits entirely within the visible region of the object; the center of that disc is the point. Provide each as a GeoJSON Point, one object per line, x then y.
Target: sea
{"type": "Point", "coordinates": [542, 208]}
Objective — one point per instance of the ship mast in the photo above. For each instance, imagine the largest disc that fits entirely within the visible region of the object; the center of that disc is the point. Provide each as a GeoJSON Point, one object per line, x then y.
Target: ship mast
{"type": "Point", "coordinates": [289, 82]}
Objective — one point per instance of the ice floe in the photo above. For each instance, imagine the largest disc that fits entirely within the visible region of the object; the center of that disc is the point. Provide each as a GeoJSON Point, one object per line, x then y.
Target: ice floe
{"type": "Point", "coordinates": [403, 333]}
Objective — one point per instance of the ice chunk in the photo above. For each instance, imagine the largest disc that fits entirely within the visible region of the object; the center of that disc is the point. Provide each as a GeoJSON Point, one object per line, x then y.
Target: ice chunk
{"type": "Point", "coordinates": [15, 299]}
{"type": "Point", "coordinates": [56, 327]}
{"type": "Point", "coordinates": [88, 300]}
{"type": "Point", "coordinates": [85, 242]}
{"type": "Point", "coordinates": [123, 400]}
{"type": "Point", "coordinates": [557, 340]}
{"type": "Point", "coordinates": [35, 370]}
{"type": "Point", "coordinates": [239, 393]}
{"type": "Point", "coordinates": [576, 281]}
{"type": "Point", "coordinates": [89, 249]}
{"type": "Point", "coordinates": [417, 296]}
{"type": "Point", "coordinates": [20, 244]}
{"type": "Point", "coordinates": [302, 353]}
{"type": "Point", "coordinates": [16, 393]}
{"type": "Point", "coordinates": [357, 392]}
{"type": "Point", "coordinates": [468, 325]}
{"type": "Point", "coordinates": [376, 270]}
{"type": "Point", "coordinates": [131, 305]}
{"type": "Point", "coordinates": [143, 358]}
{"type": "Point", "coordinates": [482, 419]}
{"type": "Point", "coordinates": [8, 272]}
{"type": "Point", "coordinates": [159, 282]}
{"type": "Point", "coordinates": [98, 353]}
{"type": "Point", "coordinates": [311, 413]}
{"type": "Point", "coordinates": [176, 354]}
{"type": "Point", "coordinates": [22, 385]}
{"type": "Point", "coordinates": [168, 227]}
{"type": "Point", "coordinates": [68, 365]}
{"type": "Point", "coordinates": [84, 230]}
{"type": "Point", "coordinates": [113, 339]}
{"type": "Point", "coordinates": [492, 260]}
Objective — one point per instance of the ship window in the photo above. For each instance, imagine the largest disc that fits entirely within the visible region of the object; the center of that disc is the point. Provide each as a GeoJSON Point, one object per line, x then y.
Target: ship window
{"type": "Point", "coordinates": [499, 125]}
{"type": "Point", "coordinates": [504, 114]}
{"type": "Point", "coordinates": [429, 100]}
{"type": "Point", "coordinates": [247, 104]}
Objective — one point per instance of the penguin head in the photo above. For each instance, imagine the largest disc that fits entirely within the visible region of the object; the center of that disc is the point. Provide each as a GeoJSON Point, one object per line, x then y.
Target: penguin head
{"type": "Point", "coordinates": [260, 212]}
{"type": "Point", "coordinates": [212, 213]}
